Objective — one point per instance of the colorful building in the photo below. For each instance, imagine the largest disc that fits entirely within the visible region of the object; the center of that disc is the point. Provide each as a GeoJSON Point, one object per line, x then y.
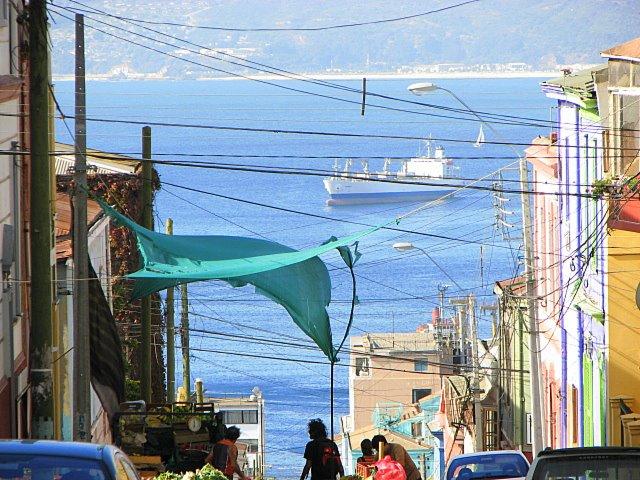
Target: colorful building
{"type": "Point", "coordinates": [619, 95]}
{"type": "Point", "coordinates": [514, 405]}
{"type": "Point", "coordinates": [574, 396]}
{"type": "Point", "coordinates": [15, 415]}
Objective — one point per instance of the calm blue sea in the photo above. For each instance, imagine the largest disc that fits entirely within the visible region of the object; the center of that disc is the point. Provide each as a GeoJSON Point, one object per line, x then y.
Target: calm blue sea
{"type": "Point", "coordinates": [397, 291]}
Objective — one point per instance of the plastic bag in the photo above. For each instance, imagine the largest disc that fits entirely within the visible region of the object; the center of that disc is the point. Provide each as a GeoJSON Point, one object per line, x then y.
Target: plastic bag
{"type": "Point", "coordinates": [389, 469]}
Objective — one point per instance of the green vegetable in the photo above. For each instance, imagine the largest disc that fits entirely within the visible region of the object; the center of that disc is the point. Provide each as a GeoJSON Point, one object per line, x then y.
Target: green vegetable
{"type": "Point", "coordinates": [210, 473]}
{"type": "Point", "coordinates": [169, 476]}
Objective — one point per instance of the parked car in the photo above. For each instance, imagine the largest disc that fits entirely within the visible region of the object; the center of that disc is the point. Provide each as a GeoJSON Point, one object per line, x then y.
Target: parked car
{"type": "Point", "coordinates": [51, 460]}
{"type": "Point", "coordinates": [593, 463]}
{"type": "Point", "coordinates": [500, 464]}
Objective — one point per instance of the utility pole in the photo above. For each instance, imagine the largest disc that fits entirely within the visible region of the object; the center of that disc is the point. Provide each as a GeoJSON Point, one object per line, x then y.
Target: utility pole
{"type": "Point", "coordinates": [475, 379]}
{"type": "Point", "coordinates": [184, 337]}
{"type": "Point", "coordinates": [81, 327]}
{"type": "Point", "coordinates": [41, 228]}
{"type": "Point", "coordinates": [171, 348]}
{"type": "Point", "coordinates": [536, 413]}
{"type": "Point", "coordinates": [145, 304]}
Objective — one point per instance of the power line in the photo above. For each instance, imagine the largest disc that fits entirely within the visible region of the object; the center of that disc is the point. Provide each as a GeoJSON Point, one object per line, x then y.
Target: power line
{"type": "Point", "coordinates": [282, 29]}
{"type": "Point", "coordinates": [274, 70]}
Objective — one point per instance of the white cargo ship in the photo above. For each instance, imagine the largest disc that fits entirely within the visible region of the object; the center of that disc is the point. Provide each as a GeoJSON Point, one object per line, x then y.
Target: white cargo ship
{"type": "Point", "coordinates": [425, 177]}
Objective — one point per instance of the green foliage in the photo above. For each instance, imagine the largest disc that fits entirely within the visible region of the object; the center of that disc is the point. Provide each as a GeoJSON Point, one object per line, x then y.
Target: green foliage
{"type": "Point", "coordinates": [132, 389]}
{"type": "Point", "coordinates": [600, 188]}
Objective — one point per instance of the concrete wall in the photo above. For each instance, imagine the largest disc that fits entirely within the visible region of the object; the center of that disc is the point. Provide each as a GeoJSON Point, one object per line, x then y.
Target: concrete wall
{"type": "Point", "coordinates": [623, 319]}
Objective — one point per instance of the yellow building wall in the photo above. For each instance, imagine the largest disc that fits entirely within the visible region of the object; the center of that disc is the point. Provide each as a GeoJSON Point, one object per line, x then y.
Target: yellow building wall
{"type": "Point", "coordinates": [623, 316]}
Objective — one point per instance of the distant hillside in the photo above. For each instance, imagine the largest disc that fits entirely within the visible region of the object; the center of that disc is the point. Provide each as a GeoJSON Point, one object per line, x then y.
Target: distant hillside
{"type": "Point", "coordinates": [542, 33]}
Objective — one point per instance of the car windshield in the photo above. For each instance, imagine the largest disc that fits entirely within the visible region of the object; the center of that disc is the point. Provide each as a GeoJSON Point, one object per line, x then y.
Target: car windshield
{"type": "Point", "coordinates": [609, 467]}
{"type": "Point", "coordinates": [45, 467]}
{"type": "Point", "coordinates": [487, 466]}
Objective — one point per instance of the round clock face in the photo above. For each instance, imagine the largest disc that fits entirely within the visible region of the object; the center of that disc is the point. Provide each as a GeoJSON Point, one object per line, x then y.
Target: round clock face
{"type": "Point", "coordinates": [194, 424]}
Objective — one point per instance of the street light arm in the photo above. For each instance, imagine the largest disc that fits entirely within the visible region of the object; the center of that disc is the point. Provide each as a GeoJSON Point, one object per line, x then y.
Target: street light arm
{"type": "Point", "coordinates": [439, 267]}
{"type": "Point", "coordinates": [481, 120]}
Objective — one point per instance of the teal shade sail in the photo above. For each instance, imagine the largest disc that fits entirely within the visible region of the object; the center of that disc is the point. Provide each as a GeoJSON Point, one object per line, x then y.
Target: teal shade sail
{"type": "Point", "coordinates": [296, 279]}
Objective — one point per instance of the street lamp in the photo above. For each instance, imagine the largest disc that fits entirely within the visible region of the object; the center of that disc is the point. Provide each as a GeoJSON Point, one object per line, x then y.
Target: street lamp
{"type": "Point", "coordinates": [407, 246]}
{"type": "Point", "coordinates": [422, 88]}
{"type": "Point", "coordinates": [538, 441]}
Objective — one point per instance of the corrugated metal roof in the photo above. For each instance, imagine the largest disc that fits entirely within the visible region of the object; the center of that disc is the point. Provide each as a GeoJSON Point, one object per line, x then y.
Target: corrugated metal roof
{"type": "Point", "coordinates": [630, 49]}
{"type": "Point", "coordinates": [103, 162]}
{"type": "Point", "coordinates": [580, 83]}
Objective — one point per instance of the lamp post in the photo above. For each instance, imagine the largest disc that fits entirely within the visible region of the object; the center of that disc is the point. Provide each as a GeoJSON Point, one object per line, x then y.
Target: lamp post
{"type": "Point", "coordinates": [536, 413]}
{"type": "Point", "coordinates": [407, 246]}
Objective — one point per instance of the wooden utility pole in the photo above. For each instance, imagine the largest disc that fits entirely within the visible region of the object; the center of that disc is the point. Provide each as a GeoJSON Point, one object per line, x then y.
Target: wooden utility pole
{"type": "Point", "coordinates": [81, 327]}
{"type": "Point", "coordinates": [475, 378]}
{"type": "Point", "coordinates": [145, 304]}
{"type": "Point", "coordinates": [534, 353]}
{"type": "Point", "coordinates": [184, 337]}
{"type": "Point", "coordinates": [41, 241]}
{"type": "Point", "coordinates": [171, 348]}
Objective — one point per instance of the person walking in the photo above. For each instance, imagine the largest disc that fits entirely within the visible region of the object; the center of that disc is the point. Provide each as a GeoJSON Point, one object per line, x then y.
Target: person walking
{"type": "Point", "coordinates": [399, 454]}
{"type": "Point", "coordinates": [224, 454]}
{"type": "Point", "coordinates": [366, 447]}
{"type": "Point", "coordinates": [321, 454]}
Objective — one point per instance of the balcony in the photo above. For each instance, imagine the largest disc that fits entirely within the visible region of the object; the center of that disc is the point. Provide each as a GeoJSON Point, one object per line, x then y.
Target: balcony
{"type": "Point", "coordinates": [625, 211]}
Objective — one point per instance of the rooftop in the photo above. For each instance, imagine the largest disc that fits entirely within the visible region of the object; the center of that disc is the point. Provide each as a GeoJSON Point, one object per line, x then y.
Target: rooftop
{"type": "Point", "coordinates": [628, 51]}
{"type": "Point", "coordinates": [103, 162]}
{"type": "Point", "coordinates": [580, 83]}
{"type": "Point", "coordinates": [369, 431]}
{"type": "Point", "coordinates": [405, 342]}
{"type": "Point", "coordinates": [64, 221]}
{"type": "Point", "coordinates": [517, 285]}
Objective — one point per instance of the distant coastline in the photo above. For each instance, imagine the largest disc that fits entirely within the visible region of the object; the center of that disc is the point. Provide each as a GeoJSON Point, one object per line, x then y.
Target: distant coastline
{"type": "Point", "coordinates": [326, 76]}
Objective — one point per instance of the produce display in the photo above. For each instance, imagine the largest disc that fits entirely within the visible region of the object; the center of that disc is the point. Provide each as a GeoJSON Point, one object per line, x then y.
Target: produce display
{"type": "Point", "coordinates": [205, 473]}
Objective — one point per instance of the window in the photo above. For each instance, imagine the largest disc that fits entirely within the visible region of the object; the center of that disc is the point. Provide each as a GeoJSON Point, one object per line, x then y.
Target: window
{"type": "Point", "coordinates": [490, 430]}
{"type": "Point", "coordinates": [420, 365]}
{"type": "Point", "coordinates": [418, 393]}
{"type": "Point", "coordinates": [574, 415]}
{"type": "Point", "coordinates": [529, 429]}
{"type": "Point", "coordinates": [362, 367]}
{"type": "Point", "coordinates": [416, 429]}
{"type": "Point", "coordinates": [4, 12]}
{"type": "Point", "coordinates": [34, 466]}
{"type": "Point", "coordinates": [236, 417]}
{"type": "Point", "coordinates": [251, 443]}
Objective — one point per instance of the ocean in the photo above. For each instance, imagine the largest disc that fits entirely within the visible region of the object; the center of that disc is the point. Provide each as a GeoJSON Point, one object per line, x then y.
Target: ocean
{"type": "Point", "coordinates": [397, 291]}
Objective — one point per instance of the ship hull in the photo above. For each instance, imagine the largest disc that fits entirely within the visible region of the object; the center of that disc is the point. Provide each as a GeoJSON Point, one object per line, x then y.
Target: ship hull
{"type": "Point", "coordinates": [363, 192]}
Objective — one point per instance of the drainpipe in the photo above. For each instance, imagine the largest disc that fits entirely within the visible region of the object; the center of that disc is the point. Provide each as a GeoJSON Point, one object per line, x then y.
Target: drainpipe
{"type": "Point", "coordinates": [17, 286]}
{"type": "Point", "coordinates": [581, 375]}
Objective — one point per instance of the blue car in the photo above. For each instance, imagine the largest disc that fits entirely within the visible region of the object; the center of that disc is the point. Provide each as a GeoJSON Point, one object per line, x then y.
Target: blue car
{"type": "Point", "coordinates": [493, 465]}
{"type": "Point", "coordinates": [51, 460]}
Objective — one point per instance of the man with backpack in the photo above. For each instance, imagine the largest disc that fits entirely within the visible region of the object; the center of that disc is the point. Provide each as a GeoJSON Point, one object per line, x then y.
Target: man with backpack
{"type": "Point", "coordinates": [224, 454]}
{"type": "Point", "coordinates": [321, 453]}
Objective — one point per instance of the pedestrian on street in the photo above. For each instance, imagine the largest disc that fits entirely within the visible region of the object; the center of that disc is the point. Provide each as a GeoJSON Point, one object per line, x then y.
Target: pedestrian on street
{"type": "Point", "coordinates": [366, 447]}
{"type": "Point", "coordinates": [224, 454]}
{"type": "Point", "coordinates": [321, 453]}
{"type": "Point", "coordinates": [399, 454]}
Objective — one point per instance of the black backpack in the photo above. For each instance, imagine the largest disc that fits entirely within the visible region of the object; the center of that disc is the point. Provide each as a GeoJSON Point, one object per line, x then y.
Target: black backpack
{"type": "Point", "coordinates": [329, 458]}
{"type": "Point", "coordinates": [220, 456]}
